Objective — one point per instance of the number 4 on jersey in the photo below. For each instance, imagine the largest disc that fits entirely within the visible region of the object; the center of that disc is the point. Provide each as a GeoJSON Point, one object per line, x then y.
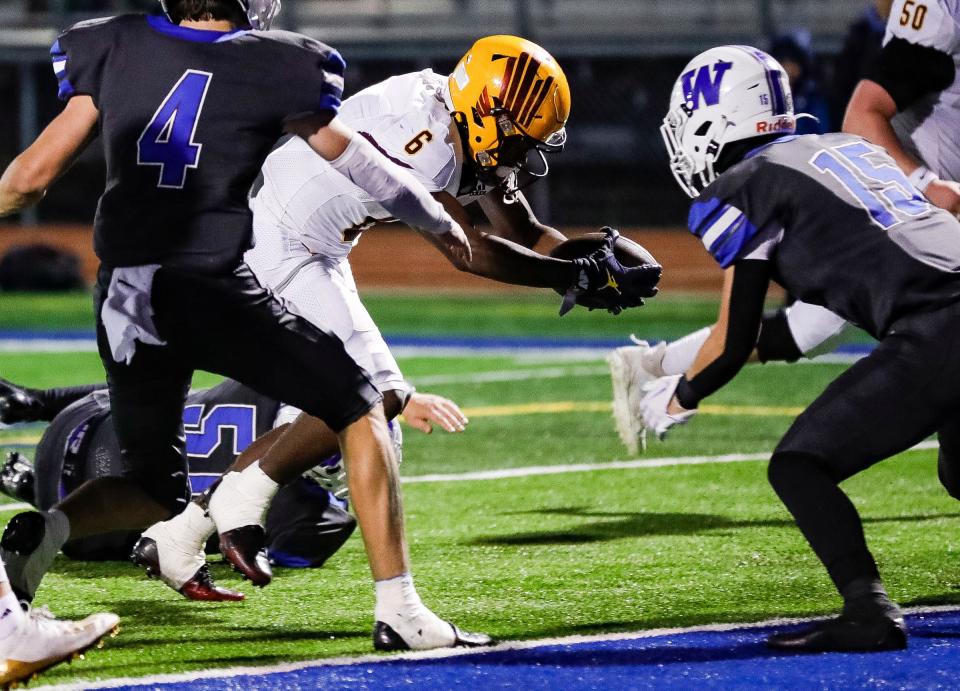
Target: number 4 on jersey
{"type": "Point", "coordinates": [168, 140]}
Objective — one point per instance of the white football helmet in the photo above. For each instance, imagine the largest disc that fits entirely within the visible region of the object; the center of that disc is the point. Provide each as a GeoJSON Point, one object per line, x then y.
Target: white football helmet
{"type": "Point", "coordinates": [723, 95]}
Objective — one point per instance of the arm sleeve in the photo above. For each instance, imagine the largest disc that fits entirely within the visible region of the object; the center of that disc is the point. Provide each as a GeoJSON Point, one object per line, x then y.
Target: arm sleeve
{"type": "Point", "coordinates": [394, 188]}
{"type": "Point", "coordinates": [909, 71]}
{"type": "Point", "coordinates": [79, 56]}
{"type": "Point", "coordinates": [750, 280]}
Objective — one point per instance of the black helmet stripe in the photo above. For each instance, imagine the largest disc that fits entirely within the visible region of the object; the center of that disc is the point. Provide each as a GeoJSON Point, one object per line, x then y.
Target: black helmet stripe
{"type": "Point", "coordinates": [526, 117]}
{"type": "Point", "coordinates": [514, 105]}
{"type": "Point", "coordinates": [519, 74]}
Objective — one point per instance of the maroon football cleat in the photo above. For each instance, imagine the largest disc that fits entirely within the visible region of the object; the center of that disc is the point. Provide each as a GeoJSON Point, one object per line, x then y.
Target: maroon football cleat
{"type": "Point", "coordinates": [199, 587]}
{"type": "Point", "coordinates": [245, 549]}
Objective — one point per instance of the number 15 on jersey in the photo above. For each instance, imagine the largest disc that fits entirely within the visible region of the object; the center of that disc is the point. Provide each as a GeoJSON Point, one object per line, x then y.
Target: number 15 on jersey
{"type": "Point", "coordinates": [168, 139]}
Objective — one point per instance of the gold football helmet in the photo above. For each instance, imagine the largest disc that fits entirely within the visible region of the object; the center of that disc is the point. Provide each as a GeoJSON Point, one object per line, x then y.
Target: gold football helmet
{"type": "Point", "coordinates": [509, 97]}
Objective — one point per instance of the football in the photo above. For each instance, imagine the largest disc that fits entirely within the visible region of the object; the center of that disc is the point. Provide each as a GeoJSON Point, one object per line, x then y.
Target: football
{"type": "Point", "coordinates": [627, 252]}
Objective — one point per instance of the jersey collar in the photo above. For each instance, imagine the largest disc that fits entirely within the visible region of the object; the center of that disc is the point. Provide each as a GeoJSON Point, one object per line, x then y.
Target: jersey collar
{"type": "Point", "coordinates": [165, 26]}
{"type": "Point", "coordinates": [778, 140]}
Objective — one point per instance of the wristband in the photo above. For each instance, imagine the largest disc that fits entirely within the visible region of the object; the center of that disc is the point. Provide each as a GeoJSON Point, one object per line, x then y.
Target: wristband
{"type": "Point", "coordinates": [922, 177]}
{"type": "Point", "coordinates": [685, 395]}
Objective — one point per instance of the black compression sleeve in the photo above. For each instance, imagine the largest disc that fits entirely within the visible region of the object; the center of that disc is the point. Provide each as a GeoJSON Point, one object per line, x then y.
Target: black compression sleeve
{"type": "Point", "coordinates": [55, 400]}
{"type": "Point", "coordinates": [776, 341]}
{"type": "Point", "coordinates": [909, 71]}
{"type": "Point", "coordinates": [750, 280]}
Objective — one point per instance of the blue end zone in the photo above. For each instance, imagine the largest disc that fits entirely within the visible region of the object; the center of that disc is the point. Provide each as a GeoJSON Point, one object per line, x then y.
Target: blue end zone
{"type": "Point", "coordinates": [732, 659]}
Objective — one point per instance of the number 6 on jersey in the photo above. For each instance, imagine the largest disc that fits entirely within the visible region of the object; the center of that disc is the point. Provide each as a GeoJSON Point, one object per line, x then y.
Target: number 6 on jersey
{"type": "Point", "coordinates": [168, 140]}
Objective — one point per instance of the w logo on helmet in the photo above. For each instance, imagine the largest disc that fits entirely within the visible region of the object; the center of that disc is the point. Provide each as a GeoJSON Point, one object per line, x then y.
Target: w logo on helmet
{"type": "Point", "coordinates": [703, 85]}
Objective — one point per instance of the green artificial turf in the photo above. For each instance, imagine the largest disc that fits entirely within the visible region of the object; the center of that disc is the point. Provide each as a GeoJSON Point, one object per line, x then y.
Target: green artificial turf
{"type": "Point", "coordinates": [544, 555]}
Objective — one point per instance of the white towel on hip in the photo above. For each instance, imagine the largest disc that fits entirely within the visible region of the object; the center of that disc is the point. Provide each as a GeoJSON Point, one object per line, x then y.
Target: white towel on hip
{"type": "Point", "coordinates": [127, 312]}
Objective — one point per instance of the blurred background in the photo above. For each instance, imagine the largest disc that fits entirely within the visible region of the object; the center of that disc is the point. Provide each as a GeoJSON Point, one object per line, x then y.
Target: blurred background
{"type": "Point", "coordinates": [621, 57]}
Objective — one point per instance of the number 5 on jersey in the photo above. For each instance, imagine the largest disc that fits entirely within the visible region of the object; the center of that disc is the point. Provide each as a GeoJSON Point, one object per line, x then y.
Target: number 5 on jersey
{"type": "Point", "coordinates": [167, 141]}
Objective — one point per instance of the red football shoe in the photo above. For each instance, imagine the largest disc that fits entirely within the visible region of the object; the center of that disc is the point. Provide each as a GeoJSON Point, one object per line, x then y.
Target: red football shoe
{"type": "Point", "coordinates": [245, 549]}
{"type": "Point", "coordinates": [199, 586]}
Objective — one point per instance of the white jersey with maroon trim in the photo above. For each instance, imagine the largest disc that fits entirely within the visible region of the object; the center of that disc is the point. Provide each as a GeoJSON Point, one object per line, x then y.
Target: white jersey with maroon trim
{"type": "Point", "coordinates": [928, 128]}
{"type": "Point", "coordinates": [305, 203]}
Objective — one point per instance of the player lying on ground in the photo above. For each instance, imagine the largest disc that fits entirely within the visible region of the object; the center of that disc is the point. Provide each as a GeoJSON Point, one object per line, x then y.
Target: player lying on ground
{"type": "Point", "coordinates": [908, 103]}
{"type": "Point", "coordinates": [307, 521]}
{"type": "Point", "coordinates": [467, 137]}
{"type": "Point", "coordinates": [187, 107]}
{"type": "Point", "coordinates": [836, 223]}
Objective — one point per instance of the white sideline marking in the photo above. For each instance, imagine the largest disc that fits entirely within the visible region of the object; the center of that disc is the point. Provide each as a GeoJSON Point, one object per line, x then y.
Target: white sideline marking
{"type": "Point", "coordinates": [511, 375]}
{"type": "Point", "coordinates": [47, 345]}
{"type": "Point", "coordinates": [505, 473]}
{"type": "Point", "coordinates": [447, 652]}
{"type": "Point", "coordinates": [17, 506]}
{"type": "Point", "coordinates": [525, 354]}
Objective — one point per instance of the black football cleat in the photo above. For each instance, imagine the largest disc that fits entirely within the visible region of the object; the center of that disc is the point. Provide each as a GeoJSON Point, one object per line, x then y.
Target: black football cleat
{"type": "Point", "coordinates": [386, 639]}
{"type": "Point", "coordinates": [245, 549]}
{"type": "Point", "coordinates": [845, 634]}
{"type": "Point", "coordinates": [17, 404]}
{"type": "Point", "coordinates": [17, 478]}
{"type": "Point", "coordinates": [200, 587]}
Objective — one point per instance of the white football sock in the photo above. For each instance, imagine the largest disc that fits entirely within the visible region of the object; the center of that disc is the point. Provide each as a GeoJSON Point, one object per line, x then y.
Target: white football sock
{"type": "Point", "coordinates": [30, 569]}
{"type": "Point", "coordinates": [242, 498]}
{"type": "Point", "coordinates": [681, 353]}
{"type": "Point", "coordinates": [192, 527]}
{"type": "Point", "coordinates": [180, 544]}
{"type": "Point", "coordinates": [400, 607]}
{"type": "Point", "coordinates": [11, 614]}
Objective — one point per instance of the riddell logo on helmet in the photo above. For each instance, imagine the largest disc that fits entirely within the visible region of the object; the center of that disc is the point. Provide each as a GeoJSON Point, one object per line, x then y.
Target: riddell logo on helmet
{"type": "Point", "coordinates": [781, 125]}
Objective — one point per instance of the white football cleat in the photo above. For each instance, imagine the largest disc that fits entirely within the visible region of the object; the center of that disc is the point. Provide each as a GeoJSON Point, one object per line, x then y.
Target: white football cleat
{"type": "Point", "coordinates": [42, 641]}
{"type": "Point", "coordinates": [632, 368]}
{"type": "Point", "coordinates": [421, 629]}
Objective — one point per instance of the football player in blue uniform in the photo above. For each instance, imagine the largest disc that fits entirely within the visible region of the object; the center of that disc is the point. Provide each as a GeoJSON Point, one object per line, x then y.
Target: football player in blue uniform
{"type": "Point", "coordinates": [307, 521]}
{"type": "Point", "coordinates": [833, 220]}
{"type": "Point", "coordinates": [187, 106]}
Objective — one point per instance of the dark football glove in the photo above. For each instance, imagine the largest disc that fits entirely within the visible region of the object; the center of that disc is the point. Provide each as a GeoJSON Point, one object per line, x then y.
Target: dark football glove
{"type": "Point", "coordinates": [604, 283]}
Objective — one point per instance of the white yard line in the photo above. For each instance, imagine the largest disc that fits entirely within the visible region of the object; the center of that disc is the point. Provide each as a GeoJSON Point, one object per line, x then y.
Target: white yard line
{"type": "Point", "coordinates": [444, 653]}
{"type": "Point", "coordinates": [505, 473]}
{"type": "Point", "coordinates": [511, 375]}
{"type": "Point", "coordinates": [18, 506]}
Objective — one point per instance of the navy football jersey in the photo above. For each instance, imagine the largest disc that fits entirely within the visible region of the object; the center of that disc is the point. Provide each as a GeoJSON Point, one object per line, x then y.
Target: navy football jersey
{"type": "Point", "coordinates": [186, 119]}
{"type": "Point", "coordinates": [841, 224]}
{"type": "Point", "coordinates": [220, 423]}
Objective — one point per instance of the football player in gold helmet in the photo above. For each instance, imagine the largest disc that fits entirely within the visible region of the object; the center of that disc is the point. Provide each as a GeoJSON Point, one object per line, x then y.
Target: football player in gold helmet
{"type": "Point", "coordinates": [509, 98]}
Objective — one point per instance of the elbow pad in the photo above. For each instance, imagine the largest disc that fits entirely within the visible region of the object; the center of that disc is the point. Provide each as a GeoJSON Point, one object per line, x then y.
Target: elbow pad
{"type": "Point", "coordinates": [393, 188]}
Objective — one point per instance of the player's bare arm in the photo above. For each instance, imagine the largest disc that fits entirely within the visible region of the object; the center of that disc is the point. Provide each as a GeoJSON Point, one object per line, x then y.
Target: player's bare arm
{"type": "Point", "coordinates": [27, 178]}
{"type": "Point", "coordinates": [911, 67]}
{"type": "Point", "coordinates": [869, 113]}
{"type": "Point", "coordinates": [503, 259]}
{"type": "Point", "coordinates": [398, 191]}
{"type": "Point", "coordinates": [514, 219]}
